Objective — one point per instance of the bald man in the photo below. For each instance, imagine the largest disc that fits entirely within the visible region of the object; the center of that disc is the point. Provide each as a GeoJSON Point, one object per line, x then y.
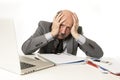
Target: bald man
{"type": "Point", "coordinates": [63, 35]}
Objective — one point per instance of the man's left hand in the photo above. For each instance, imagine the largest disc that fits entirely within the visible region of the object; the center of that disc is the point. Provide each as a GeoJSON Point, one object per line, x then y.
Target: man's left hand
{"type": "Point", "coordinates": [74, 28]}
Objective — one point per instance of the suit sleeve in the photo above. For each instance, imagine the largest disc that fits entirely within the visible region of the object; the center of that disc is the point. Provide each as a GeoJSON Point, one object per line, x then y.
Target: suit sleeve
{"type": "Point", "coordinates": [36, 41]}
{"type": "Point", "coordinates": [91, 49]}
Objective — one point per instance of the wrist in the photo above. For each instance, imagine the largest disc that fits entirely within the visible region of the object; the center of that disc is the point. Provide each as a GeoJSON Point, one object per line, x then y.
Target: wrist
{"type": "Point", "coordinates": [48, 36]}
{"type": "Point", "coordinates": [53, 34]}
{"type": "Point", "coordinates": [76, 35]}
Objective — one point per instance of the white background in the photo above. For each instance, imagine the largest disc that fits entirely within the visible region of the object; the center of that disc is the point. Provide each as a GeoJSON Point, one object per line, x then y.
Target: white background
{"type": "Point", "coordinates": [99, 19]}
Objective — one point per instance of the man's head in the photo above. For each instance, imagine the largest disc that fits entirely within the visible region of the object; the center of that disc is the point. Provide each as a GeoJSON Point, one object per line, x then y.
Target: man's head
{"type": "Point", "coordinates": [65, 27]}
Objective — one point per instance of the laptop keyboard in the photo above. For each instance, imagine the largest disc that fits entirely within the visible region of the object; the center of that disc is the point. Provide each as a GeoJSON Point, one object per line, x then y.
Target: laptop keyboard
{"type": "Point", "coordinates": [26, 65]}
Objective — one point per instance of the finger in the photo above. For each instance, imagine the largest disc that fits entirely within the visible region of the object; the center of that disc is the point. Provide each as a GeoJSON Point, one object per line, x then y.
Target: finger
{"type": "Point", "coordinates": [57, 15]}
{"type": "Point", "coordinates": [76, 18]}
{"type": "Point", "coordinates": [74, 21]}
{"type": "Point", "coordinates": [75, 24]}
{"type": "Point", "coordinates": [62, 20]}
{"type": "Point", "coordinates": [59, 18]}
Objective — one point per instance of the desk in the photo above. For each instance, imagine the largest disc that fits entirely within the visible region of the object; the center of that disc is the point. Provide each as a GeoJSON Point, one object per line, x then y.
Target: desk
{"type": "Point", "coordinates": [61, 72]}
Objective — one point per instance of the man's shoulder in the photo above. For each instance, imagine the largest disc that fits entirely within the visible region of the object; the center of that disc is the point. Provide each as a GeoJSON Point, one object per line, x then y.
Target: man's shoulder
{"type": "Point", "coordinates": [44, 23]}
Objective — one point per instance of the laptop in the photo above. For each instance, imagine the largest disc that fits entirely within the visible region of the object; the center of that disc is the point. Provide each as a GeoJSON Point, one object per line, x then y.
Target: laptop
{"type": "Point", "coordinates": [10, 59]}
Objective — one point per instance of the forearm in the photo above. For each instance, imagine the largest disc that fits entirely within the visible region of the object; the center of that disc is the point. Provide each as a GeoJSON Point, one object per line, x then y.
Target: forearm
{"type": "Point", "coordinates": [90, 47]}
{"type": "Point", "coordinates": [34, 43]}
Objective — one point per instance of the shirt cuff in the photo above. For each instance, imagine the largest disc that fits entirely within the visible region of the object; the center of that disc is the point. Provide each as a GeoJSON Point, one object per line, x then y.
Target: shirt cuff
{"type": "Point", "coordinates": [49, 37]}
{"type": "Point", "coordinates": [81, 40]}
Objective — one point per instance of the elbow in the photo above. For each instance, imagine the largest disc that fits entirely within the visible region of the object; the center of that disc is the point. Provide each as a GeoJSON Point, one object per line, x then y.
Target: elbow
{"type": "Point", "coordinates": [25, 51]}
{"type": "Point", "coordinates": [99, 55]}
{"type": "Point", "coordinates": [96, 54]}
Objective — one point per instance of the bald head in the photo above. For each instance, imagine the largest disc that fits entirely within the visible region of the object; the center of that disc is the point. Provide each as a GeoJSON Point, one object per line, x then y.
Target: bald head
{"type": "Point", "coordinates": [68, 16]}
{"type": "Point", "coordinates": [67, 12]}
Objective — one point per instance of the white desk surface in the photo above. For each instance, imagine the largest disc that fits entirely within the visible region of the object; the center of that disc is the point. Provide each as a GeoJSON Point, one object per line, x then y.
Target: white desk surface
{"type": "Point", "coordinates": [61, 72]}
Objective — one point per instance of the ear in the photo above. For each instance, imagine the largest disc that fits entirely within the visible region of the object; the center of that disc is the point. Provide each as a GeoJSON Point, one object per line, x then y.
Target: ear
{"type": "Point", "coordinates": [80, 30]}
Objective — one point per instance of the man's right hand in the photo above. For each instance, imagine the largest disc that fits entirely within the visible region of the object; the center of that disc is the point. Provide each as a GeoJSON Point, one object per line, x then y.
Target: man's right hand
{"type": "Point", "coordinates": [56, 24]}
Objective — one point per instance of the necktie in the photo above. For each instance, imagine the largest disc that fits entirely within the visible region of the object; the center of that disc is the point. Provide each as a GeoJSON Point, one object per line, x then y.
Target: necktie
{"type": "Point", "coordinates": [59, 48]}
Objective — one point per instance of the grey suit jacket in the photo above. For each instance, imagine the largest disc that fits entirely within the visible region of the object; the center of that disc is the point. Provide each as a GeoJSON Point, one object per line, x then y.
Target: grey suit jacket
{"type": "Point", "coordinates": [38, 41]}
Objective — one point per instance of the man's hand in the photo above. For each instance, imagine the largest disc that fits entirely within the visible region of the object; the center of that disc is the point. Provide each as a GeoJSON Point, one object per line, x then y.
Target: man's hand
{"type": "Point", "coordinates": [74, 29]}
{"type": "Point", "coordinates": [56, 24]}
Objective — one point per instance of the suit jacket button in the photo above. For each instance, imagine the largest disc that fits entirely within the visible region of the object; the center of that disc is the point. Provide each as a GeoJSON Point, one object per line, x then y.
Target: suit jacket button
{"type": "Point", "coordinates": [41, 42]}
{"type": "Point", "coordinates": [37, 45]}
